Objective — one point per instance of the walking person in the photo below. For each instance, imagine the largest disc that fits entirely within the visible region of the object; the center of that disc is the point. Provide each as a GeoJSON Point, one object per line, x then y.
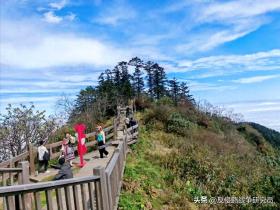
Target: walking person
{"type": "Point", "coordinates": [43, 156]}
{"type": "Point", "coordinates": [100, 137]}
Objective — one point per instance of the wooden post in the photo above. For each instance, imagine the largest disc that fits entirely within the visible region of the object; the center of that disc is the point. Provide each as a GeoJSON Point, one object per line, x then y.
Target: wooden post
{"type": "Point", "coordinates": [31, 159]}
{"type": "Point", "coordinates": [24, 179]}
{"type": "Point", "coordinates": [115, 129]}
{"type": "Point", "coordinates": [102, 194]}
{"type": "Point", "coordinates": [51, 152]}
{"type": "Point", "coordinates": [25, 172]}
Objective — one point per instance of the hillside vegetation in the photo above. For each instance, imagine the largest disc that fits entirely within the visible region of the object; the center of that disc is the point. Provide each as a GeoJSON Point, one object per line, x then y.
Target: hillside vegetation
{"type": "Point", "coordinates": [271, 135]}
{"type": "Point", "coordinates": [187, 150]}
{"type": "Point", "coordinates": [183, 154]}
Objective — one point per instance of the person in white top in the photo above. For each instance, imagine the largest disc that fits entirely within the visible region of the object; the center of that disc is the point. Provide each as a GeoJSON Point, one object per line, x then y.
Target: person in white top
{"type": "Point", "coordinates": [43, 156]}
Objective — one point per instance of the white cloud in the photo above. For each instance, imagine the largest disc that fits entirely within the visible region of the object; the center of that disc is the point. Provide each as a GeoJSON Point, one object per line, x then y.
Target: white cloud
{"type": "Point", "coordinates": [200, 86]}
{"type": "Point", "coordinates": [234, 19]}
{"type": "Point", "coordinates": [228, 64]}
{"type": "Point", "coordinates": [266, 113]}
{"type": "Point", "coordinates": [71, 16]}
{"type": "Point", "coordinates": [232, 11]}
{"type": "Point", "coordinates": [115, 15]}
{"type": "Point", "coordinates": [255, 79]}
{"type": "Point", "coordinates": [58, 5]}
{"type": "Point", "coordinates": [31, 44]}
{"type": "Point", "coordinates": [51, 49]}
{"type": "Point", "coordinates": [50, 17]}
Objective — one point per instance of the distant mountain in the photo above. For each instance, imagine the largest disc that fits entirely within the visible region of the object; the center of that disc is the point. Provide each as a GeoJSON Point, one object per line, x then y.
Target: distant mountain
{"type": "Point", "coordinates": [272, 136]}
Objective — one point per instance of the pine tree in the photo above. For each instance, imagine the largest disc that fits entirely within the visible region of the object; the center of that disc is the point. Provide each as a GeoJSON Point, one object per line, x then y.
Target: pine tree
{"type": "Point", "coordinates": [174, 90]}
{"type": "Point", "coordinates": [85, 99]}
{"type": "Point", "coordinates": [150, 84]}
{"type": "Point", "coordinates": [159, 81]}
{"type": "Point", "coordinates": [137, 79]}
{"type": "Point", "coordinates": [184, 93]}
{"type": "Point", "coordinates": [116, 75]}
{"type": "Point", "coordinates": [125, 88]}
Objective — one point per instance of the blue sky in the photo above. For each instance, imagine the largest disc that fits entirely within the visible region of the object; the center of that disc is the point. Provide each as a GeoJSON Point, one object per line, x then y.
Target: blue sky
{"type": "Point", "coordinates": [227, 51]}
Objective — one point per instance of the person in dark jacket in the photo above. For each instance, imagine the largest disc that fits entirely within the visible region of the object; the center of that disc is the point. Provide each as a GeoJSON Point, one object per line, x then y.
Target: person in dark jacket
{"type": "Point", "coordinates": [132, 122]}
{"type": "Point", "coordinates": [65, 171]}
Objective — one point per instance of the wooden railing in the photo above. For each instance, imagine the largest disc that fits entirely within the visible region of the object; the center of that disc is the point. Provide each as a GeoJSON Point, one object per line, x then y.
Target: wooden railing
{"type": "Point", "coordinates": [76, 193]}
{"type": "Point", "coordinates": [100, 191]}
{"type": "Point", "coordinates": [11, 176]}
{"type": "Point", "coordinates": [54, 149]}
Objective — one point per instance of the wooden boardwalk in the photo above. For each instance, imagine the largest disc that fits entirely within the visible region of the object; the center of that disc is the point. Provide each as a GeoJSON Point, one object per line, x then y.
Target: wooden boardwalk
{"type": "Point", "coordinates": [95, 186]}
{"type": "Point", "coordinates": [92, 160]}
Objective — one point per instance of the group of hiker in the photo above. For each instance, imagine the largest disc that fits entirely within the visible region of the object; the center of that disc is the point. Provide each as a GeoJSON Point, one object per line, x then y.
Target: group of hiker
{"type": "Point", "coordinates": [68, 154]}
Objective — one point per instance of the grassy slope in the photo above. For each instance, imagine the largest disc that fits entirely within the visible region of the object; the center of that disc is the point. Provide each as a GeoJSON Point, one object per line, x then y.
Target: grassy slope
{"type": "Point", "coordinates": [168, 170]}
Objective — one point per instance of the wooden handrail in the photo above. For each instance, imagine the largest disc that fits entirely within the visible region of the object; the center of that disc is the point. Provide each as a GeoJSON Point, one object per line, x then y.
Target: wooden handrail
{"type": "Point", "coordinates": [42, 186]}
{"type": "Point", "coordinates": [107, 181]}
{"type": "Point", "coordinates": [14, 159]}
{"type": "Point", "coordinates": [11, 170]}
{"type": "Point", "coordinates": [108, 130]}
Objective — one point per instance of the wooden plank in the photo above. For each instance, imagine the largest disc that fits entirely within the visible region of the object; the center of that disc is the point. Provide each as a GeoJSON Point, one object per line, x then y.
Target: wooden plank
{"type": "Point", "coordinates": [11, 176]}
{"type": "Point", "coordinates": [10, 202]}
{"type": "Point", "coordinates": [109, 136]}
{"type": "Point", "coordinates": [14, 159]}
{"type": "Point", "coordinates": [37, 197]}
{"type": "Point", "coordinates": [84, 197]}
{"type": "Point", "coordinates": [12, 170]}
{"type": "Point", "coordinates": [45, 185]}
{"type": "Point", "coordinates": [132, 142]}
{"type": "Point", "coordinates": [32, 155]}
{"type": "Point", "coordinates": [2, 179]}
{"type": "Point", "coordinates": [76, 195]}
{"type": "Point", "coordinates": [109, 185]}
{"type": "Point", "coordinates": [24, 203]}
{"type": "Point", "coordinates": [91, 195]}
{"type": "Point", "coordinates": [24, 165]}
{"type": "Point", "coordinates": [102, 193]}
{"type": "Point", "coordinates": [59, 198]}
{"type": "Point", "coordinates": [49, 199]}
{"type": "Point", "coordinates": [97, 189]}
{"type": "Point", "coordinates": [67, 190]}
{"type": "Point", "coordinates": [54, 145]}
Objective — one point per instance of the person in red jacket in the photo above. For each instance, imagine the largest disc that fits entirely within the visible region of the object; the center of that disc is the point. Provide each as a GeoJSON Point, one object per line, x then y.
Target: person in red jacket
{"type": "Point", "coordinates": [82, 149]}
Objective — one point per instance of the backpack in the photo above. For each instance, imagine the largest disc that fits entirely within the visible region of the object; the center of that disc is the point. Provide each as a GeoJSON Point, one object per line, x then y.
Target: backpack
{"type": "Point", "coordinates": [46, 156]}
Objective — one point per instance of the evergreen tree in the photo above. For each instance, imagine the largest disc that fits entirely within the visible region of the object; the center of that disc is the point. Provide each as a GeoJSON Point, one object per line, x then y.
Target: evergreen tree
{"type": "Point", "coordinates": [125, 88]}
{"type": "Point", "coordinates": [137, 79]}
{"type": "Point", "coordinates": [159, 81]}
{"type": "Point", "coordinates": [85, 99]}
{"type": "Point", "coordinates": [150, 78]}
{"type": "Point", "coordinates": [184, 93]}
{"type": "Point", "coordinates": [116, 75]}
{"type": "Point", "coordinates": [174, 90]}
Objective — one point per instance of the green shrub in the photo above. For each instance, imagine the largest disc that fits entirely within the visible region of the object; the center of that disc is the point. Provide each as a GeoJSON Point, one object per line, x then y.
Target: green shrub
{"type": "Point", "coordinates": [165, 101]}
{"type": "Point", "coordinates": [178, 124]}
